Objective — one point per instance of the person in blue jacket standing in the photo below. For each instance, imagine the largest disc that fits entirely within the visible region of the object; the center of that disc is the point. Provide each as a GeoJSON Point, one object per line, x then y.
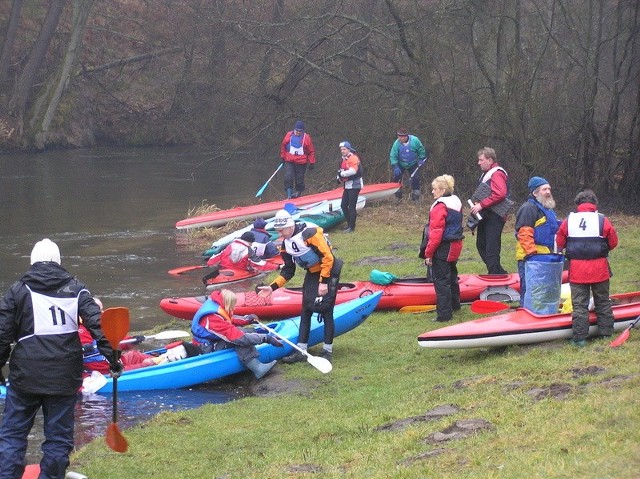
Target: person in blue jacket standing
{"type": "Point", "coordinates": [406, 156]}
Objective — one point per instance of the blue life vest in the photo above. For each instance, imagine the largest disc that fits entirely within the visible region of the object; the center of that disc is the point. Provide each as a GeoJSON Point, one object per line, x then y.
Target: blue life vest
{"type": "Point", "coordinates": [453, 223]}
{"type": "Point", "coordinates": [200, 333]}
{"type": "Point", "coordinates": [406, 155]}
{"type": "Point", "coordinates": [544, 234]}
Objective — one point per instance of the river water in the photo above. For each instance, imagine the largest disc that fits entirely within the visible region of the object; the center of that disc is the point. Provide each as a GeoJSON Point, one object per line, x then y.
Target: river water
{"type": "Point", "coordinates": [112, 212]}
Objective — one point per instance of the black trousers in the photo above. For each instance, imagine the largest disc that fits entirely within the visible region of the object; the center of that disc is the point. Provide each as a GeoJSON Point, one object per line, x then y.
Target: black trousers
{"type": "Point", "coordinates": [489, 241]}
{"type": "Point", "coordinates": [348, 205]}
{"type": "Point", "coordinates": [323, 307]}
{"type": "Point", "coordinates": [445, 282]}
{"type": "Point", "coordinates": [294, 173]}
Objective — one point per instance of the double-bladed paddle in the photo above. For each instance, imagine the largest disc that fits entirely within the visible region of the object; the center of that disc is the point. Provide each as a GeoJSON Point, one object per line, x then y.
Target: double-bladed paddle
{"type": "Point", "coordinates": [321, 364]}
{"type": "Point", "coordinates": [261, 190]}
{"type": "Point", "coordinates": [170, 334]}
{"type": "Point", "coordinates": [620, 340]}
{"type": "Point", "coordinates": [115, 326]}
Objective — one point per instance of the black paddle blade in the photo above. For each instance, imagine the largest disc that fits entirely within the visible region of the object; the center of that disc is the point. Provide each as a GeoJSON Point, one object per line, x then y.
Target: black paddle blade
{"type": "Point", "coordinates": [214, 273]}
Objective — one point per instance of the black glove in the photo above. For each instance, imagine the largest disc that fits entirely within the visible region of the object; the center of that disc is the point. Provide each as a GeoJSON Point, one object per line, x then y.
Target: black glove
{"type": "Point", "coordinates": [139, 338]}
{"type": "Point", "coordinates": [273, 341]}
{"type": "Point", "coordinates": [116, 369]}
{"type": "Point", "coordinates": [253, 318]}
{"type": "Point", "coordinates": [4, 383]}
{"type": "Point", "coordinates": [311, 166]}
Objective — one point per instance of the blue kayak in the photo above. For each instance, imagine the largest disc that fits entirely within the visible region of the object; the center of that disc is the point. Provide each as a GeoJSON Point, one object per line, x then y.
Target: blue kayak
{"type": "Point", "coordinates": [208, 367]}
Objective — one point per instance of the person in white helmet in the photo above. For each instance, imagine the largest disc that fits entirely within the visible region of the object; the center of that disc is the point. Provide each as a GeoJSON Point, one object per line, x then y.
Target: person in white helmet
{"type": "Point", "coordinates": [39, 313]}
{"type": "Point", "coordinates": [308, 248]}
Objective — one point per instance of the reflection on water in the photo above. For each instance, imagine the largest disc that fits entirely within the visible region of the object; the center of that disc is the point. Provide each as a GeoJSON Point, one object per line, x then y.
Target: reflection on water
{"type": "Point", "coordinates": [113, 213]}
{"type": "Point", "coordinates": [94, 412]}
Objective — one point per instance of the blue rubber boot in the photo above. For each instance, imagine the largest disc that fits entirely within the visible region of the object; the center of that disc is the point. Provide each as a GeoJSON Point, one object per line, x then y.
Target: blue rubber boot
{"type": "Point", "coordinates": [260, 369]}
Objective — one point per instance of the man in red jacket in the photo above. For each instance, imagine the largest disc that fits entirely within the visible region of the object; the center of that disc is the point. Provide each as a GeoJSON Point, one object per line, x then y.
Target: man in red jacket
{"type": "Point", "coordinates": [588, 236]}
{"type": "Point", "coordinates": [297, 151]}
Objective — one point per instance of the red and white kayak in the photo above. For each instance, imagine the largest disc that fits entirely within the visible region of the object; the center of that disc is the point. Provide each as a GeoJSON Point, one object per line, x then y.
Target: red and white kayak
{"type": "Point", "coordinates": [287, 302]}
{"type": "Point", "coordinates": [373, 192]}
{"type": "Point", "coordinates": [524, 327]}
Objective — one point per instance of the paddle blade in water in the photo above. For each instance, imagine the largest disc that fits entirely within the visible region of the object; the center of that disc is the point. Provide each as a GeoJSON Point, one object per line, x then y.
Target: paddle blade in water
{"type": "Point", "coordinates": [115, 440]}
{"type": "Point", "coordinates": [115, 325]}
{"type": "Point", "coordinates": [321, 364]}
{"type": "Point", "coordinates": [484, 306]}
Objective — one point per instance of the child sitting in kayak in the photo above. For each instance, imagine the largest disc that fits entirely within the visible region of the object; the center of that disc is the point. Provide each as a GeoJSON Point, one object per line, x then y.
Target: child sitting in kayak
{"type": "Point", "coordinates": [214, 327]}
{"type": "Point", "coordinates": [94, 361]}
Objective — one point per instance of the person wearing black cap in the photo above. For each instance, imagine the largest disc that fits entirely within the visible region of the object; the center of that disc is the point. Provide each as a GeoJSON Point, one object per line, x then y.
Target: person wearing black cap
{"type": "Point", "coordinates": [536, 226]}
{"type": "Point", "coordinates": [296, 151]}
{"type": "Point", "coordinates": [407, 155]}
{"type": "Point", "coordinates": [588, 236]}
{"type": "Point", "coordinates": [350, 176]}
{"type": "Point", "coordinates": [39, 313]}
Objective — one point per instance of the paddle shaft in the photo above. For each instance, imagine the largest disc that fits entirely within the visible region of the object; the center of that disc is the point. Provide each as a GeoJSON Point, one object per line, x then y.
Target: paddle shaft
{"type": "Point", "coordinates": [261, 190]}
{"type": "Point", "coordinates": [114, 415]}
{"type": "Point", "coordinates": [294, 346]}
{"type": "Point", "coordinates": [163, 335]}
{"type": "Point", "coordinates": [115, 325]}
{"type": "Point", "coordinates": [419, 166]}
{"type": "Point", "coordinates": [321, 364]}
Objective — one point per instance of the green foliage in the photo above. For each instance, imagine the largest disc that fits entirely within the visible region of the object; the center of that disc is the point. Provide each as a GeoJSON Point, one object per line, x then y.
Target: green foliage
{"type": "Point", "coordinates": [556, 411]}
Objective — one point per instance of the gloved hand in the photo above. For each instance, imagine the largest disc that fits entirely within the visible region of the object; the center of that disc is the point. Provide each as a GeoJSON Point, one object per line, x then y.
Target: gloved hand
{"type": "Point", "coordinates": [116, 369]}
{"type": "Point", "coordinates": [139, 338]}
{"type": "Point", "coordinates": [397, 171]}
{"type": "Point", "coordinates": [311, 166]}
{"type": "Point", "coordinates": [422, 162]}
{"type": "Point", "coordinates": [4, 383]}
{"type": "Point", "coordinates": [253, 318]}
{"type": "Point", "coordinates": [273, 341]}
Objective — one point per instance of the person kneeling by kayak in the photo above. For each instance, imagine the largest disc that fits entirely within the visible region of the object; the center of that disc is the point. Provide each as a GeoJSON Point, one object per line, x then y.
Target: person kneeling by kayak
{"type": "Point", "coordinates": [214, 327]}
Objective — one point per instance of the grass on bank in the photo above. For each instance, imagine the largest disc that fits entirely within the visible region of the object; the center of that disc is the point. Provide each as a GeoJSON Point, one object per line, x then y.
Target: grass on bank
{"type": "Point", "coordinates": [555, 411]}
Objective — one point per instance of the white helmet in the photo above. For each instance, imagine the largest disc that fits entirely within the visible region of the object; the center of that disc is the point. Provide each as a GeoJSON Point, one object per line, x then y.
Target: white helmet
{"type": "Point", "coordinates": [282, 220]}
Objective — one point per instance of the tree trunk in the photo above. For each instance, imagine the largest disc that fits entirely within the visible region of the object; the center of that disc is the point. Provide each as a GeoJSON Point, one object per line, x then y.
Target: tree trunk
{"type": "Point", "coordinates": [81, 12]}
{"type": "Point", "coordinates": [9, 39]}
{"type": "Point", "coordinates": [22, 90]}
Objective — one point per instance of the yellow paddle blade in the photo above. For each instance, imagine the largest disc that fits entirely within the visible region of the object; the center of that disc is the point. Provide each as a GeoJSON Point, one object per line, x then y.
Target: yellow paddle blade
{"type": "Point", "coordinates": [418, 308]}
